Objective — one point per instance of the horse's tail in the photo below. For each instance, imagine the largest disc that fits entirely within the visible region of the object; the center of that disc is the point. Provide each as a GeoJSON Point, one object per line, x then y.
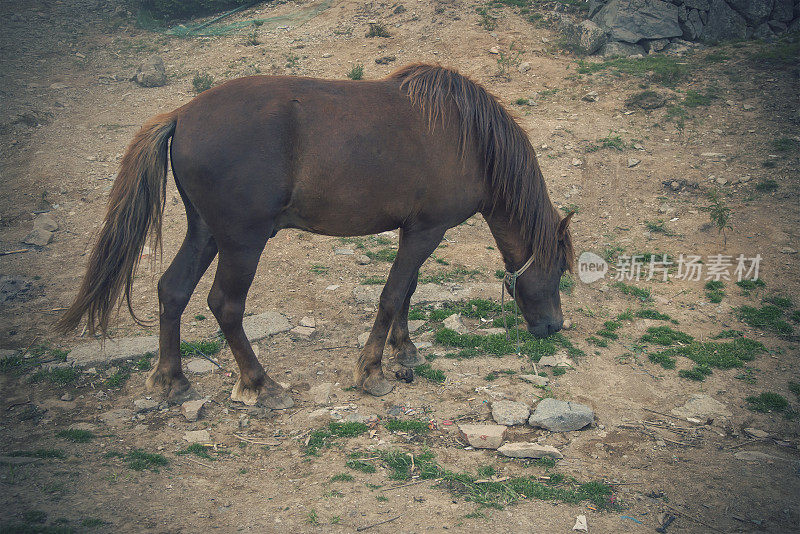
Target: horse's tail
{"type": "Point", "coordinates": [135, 209]}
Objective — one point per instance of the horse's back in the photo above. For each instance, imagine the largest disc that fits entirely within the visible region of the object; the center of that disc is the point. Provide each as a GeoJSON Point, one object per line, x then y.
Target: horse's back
{"type": "Point", "coordinates": [307, 151]}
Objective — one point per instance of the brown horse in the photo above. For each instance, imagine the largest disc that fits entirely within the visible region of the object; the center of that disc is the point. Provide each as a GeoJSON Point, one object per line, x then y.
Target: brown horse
{"type": "Point", "coordinates": [421, 150]}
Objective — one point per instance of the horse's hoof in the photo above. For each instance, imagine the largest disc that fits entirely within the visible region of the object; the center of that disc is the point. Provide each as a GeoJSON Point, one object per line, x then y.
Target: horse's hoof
{"type": "Point", "coordinates": [408, 356]}
{"type": "Point", "coordinates": [270, 396]}
{"type": "Point", "coordinates": [174, 386]}
{"type": "Point", "coordinates": [377, 385]}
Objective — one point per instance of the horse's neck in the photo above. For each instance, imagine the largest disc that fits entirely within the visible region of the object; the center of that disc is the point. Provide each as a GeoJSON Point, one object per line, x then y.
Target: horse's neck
{"type": "Point", "coordinates": [508, 236]}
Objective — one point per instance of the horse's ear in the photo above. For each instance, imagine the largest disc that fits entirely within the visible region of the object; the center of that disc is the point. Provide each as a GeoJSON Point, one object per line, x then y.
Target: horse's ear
{"type": "Point", "coordinates": [564, 224]}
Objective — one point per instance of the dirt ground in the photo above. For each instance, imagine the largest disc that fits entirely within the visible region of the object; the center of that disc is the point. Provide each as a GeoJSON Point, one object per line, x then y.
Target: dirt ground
{"type": "Point", "coordinates": [69, 109]}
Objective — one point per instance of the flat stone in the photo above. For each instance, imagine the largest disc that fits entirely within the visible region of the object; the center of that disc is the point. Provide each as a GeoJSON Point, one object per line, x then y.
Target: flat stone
{"type": "Point", "coordinates": [45, 221]}
{"type": "Point", "coordinates": [530, 450]}
{"type": "Point", "coordinates": [343, 252]}
{"type": "Point", "coordinates": [423, 345]}
{"type": "Point", "coordinates": [38, 237]}
{"type": "Point", "coordinates": [506, 412]}
{"type": "Point", "coordinates": [591, 96]}
{"type": "Point", "coordinates": [559, 359]}
{"type": "Point", "coordinates": [788, 250]}
{"type": "Point", "coordinates": [321, 393]}
{"type": "Point", "coordinates": [199, 366]}
{"type": "Point", "coordinates": [113, 350]}
{"type": "Point", "coordinates": [191, 409]}
{"type": "Point", "coordinates": [304, 332]}
{"type": "Point", "coordinates": [536, 380]}
{"type": "Point", "coordinates": [483, 436]}
{"type": "Point", "coordinates": [425, 293]}
{"type": "Point", "coordinates": [456, 323]}
{"type": "Point", "coordinates": [67, 397]}
{"type": "Point", "coordinates": [615, 48]}
{"type": "Point", "coordinates": [756, 456]}
{"type": "Point", "coordinates": [633, 162]}
{"type": "Point", "coordinates": [702, 407]}
{"type": "Point", "coordinates": [263, 325]}
{"type": "Point", "coordinates": [117, 417]}
{"type": "Point", "coordinates": [197, 436]}
{"type": "Point", "coordinates": [363, 259]}
{"type": "Point", "coordinates": [756, 433]}
{"type": "Point", "coordinates": [320, 414]}
{"type": "Point", "coordinates": [561, 416]}
{"type": "Point", "coordinates": [308, 322]}
{"type": "Point", "coordinates": [362, 339]}
{"type": "Point", "coordinates": [576, 162]}
{"type": "Point", "coordinates": [524, 67]}
{"type": "Point", "coordinates": [415, 325]}
{"type": "Point", "coordinates": [14, 288]}
{"type": "Point", "coordinates": [145, 405]}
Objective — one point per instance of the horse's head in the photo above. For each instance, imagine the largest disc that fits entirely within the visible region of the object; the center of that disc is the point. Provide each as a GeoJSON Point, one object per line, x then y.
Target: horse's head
{"type": "Point", "coordinates": [536, 288]}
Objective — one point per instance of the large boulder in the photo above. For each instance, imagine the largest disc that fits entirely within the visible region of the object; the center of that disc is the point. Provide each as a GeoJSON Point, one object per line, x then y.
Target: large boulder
{"type": "Point", "coordinates": [693, 27]}
{"type": "Point", "coordinates": [561, 416]}
{"type": "Point", "coordinates": [586, 36]}
{"type": "Point", "coordinates": [633, 20]}
{"type": "Point", "coordinates": [151, 73]}
{"type": "Point", "coordinates": [754, 11]}
{"type": "Point", "coordinates": [617, 49]}
{"type": "Point", "coordinates": [723, 24]}
{"type": "Point", "coordinates": [783, 11]}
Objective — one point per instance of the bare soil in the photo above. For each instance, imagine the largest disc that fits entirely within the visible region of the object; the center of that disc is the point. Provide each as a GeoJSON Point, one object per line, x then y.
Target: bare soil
{"type": "Point", "coordinates": [66, 65]}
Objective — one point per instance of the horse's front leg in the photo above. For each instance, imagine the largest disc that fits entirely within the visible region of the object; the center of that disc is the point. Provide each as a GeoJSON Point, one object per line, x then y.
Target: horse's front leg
{"type": "Point", "coordinates": [415, 247]}
{"type": "Point", "coordinates": [403, 350]}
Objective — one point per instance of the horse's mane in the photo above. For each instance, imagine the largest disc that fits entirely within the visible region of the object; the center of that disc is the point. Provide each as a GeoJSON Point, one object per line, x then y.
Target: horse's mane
{"type": "Point", "coordinates": [509, 159]}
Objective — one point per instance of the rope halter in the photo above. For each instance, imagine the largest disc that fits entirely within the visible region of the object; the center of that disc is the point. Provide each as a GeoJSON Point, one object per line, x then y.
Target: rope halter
{"type": "Point", "coordinates": [511, 280]}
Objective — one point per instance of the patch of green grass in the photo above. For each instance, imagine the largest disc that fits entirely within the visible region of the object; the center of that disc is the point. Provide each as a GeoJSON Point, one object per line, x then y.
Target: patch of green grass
{"type": "Point", "coordinates": [695, 99]}
{"type": "Point", "coordinates": [769, 317]}
{"type": "Point", "coordinates": [34, 516]}
{"type": "Point", "coordinates": [457, 274]}
{"type": "Point", "coordinates": [144, 363]}
{"type": "Point", "coordinates": [698, 373]}
{"type": "Point", "coordinates": [657, 227]}
{"type": "Point", "coordinates": [729, 334]}
{"type": "Point", "coordinates": [558, 371]}
{"type": "Point", "coordinates": [434, 375]}
{"type": "Point", "coordinates": [614, 142]}
{"type": "Point", "coordinates": [198, 450]}
{"type": "Point", "coordinates": [342, 477]}
{"type": "Point", "coordinates": [596, 341]}
{"type": "Point", "coordinates": [714, 290]}
{"type": "Point", "coordinates": [376, 29]}
{"type": "Point", "coordinates": [401, 464]}
{"type": "Point", "coordinates": [60, 376]}
{"type": "Point", "coordinates": [139, 460]}
{"type": "Point", "coordinates": [781, 302]}
{"type": "Point", "coordinates": [200, 317]}
{"type": "Point", "coordinates": [377, 281]}
{"type": "Point", "coordinates": [677, 114]}
{"type": "Point", "coordinates": [406, 425]}
{"type": "Point", "coordinates": [662, 359]}
{"type": "Point", "coordinates": [356, 73]}
{"type": "Point", "coordinates": [487, 20]}
{"type": "Point", "coordinates": [767, 186]}
{"type": "Point", "coordinates": [718, 212]}
{"type": "Point", "coordinates": [664, 335]}
{"type": "Point", "coordinates": [786, 144]}
{"type": "Point", "coordinates": [417, 314]}
{"type": "Point", "coordinates": [498, 345]}
{"type": "Point", "coordinates": [76, 435]}
{"type": "Point", "coordinates": [360, 465]}
{"type": "Point", "coordinates": [205, 347]}
{"type": "Point", "coordinates": [202, 82]}
{"type": "Point", "coordinates": [749, 285]}
{"type": "Point", "coordinates": [638, 292]}
{"type": "Point", "coordinates": [795, 316]}
{"type": "Point", "coordinates": [119, 377]}
{"type": "Point", "coordinates": [767, 402]}
{"type": "Point", "coordinates": [385, 254]}
{"type": "Point", "coordinates": [648, 313]}
{"type": "Point", "coordinates": [324, 437]}
{"type": "Point", "coordinates": [794, 387]}
{"type": "Point", "coordinates": [349, 429]}
{"type": "Point", "coordinates": [312, 518]}
{"type": "Point", "coordinates": [566, 284]}
{"type": "Point", "coordinates": [318, 268]}
{"type": "Point", "coordinates": [664, 70]}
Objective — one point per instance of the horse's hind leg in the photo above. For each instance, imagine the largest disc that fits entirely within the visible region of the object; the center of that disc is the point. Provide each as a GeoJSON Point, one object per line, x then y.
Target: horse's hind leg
{"type": "Point", "coordinates": [415, 246]}
{"type": "Point", "coordinates": [403, 349]}
{"type": "Point", "coordinates": [237, 267]}
{"type": "Point", "coordinates": [174, 291]}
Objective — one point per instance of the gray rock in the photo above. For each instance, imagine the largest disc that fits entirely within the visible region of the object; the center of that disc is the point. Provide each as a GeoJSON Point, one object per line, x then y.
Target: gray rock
{"type": "Point", "coordinates": [425, 293]}
{"type": "Point", "coordinates": [199, 366]}
{"type": "Point", "coordinates": [14, 288]}
{"type": "Point", "coordinates": [505, 412]}
{"type": "Point", "coordinates": [692, 27]}
{"type": "Point", "coordinates": [591, 96]}
{"type": "Point", "coordinates": [763, 31]}
{"type": "Point", "coordinates": [321, 414]}
{"type": "Point", "coordinates": [145, 405]}
{"type": "Point", "coordinates": [46, 222]}
{"type": "Point", "coordinates": [67, 397]}
{"type": "Point", "coordinates": [308, 322]}
{"type": "Point", "coordinates": [633, 162]}
{"type": "Point", "coordinates": [151, 73]}
{"type": "Point", "coordinates": [616, 48]}
{"type": "Point", "coordinates": [98, 352]}
{"type": "Point", "coordinates": [783, 11]}
{"type": "Point", "coordinates": [355, 418]}
{"type": "Point", "coordinates": [363, 259]}
{"type": "Point", "coordinates": [560, 416]}
{"type": "Point", "coordinates": [415, 325]}
{"type": "Point", "coordinates": [362, 339]}
{"type": "Point", "coordinates": [197, 436]}
{"type": "Point", "coordinates": [754, 11]}
{"type": "Point", "coordinates": [530, 450]}
{"type": "Point", "coordinates": [586, 36]}
{"type": "Point", "coordinates": [633, 20]}
{"type": "Point", "coordinates": [536, 380]}
{"type": "Point", "coordinates": [702, 5]}
{"type": "Point", "coordinates": [701, 407]}
{"type": "Point", "coordinates": [303, 332]}
{"type": "Point", "coordinates": [559, 359]}
{"type": "Point", "coordinates": [263, 325]}
{"type": "Point", "coordinates": [595, 6]}
{"type": "Point", "coordinates": [524, 67]}
{"type": "Point", "coordinates": [777, 26]}
{"type": "Point", "coordinates": [343, 252]}
{"type": "Point", "coordinates": [655, 45]}
{"type": "Point", "coordinates": [483, 436]}
{"type": "Point", "coordinates": [456, 323]}
{"type": "Point", "coordinates": [423, 345]}
{"type": "Point", "coordinates": [321, 393]}
{"type": "Point", "coordinates": [191, 409]}
{"type": "Point", "coordinates": [723, 24]}
{"type": "Point", "coordinates": [117, 417]}
{"type": "Point", "coordinates": [38, 237]}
